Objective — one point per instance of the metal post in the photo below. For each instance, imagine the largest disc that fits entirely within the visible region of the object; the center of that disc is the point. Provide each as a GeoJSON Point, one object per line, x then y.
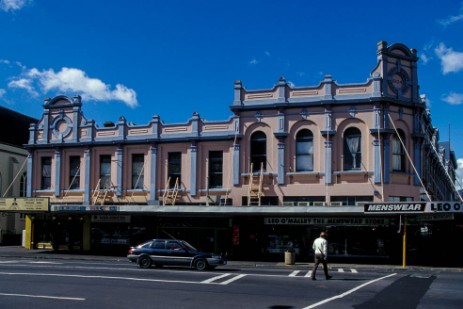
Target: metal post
{"type": "Point", "coordinates": [404, 244]}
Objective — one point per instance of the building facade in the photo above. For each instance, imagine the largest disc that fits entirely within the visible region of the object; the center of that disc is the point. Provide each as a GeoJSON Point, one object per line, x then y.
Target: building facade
{"type": "Point", "coordinates": [289, 162]}
{"type": "Point", "coordinates": [13, 174]}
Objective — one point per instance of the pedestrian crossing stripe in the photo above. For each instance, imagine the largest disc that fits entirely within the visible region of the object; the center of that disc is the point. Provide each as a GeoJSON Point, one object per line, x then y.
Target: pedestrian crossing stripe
{"type": "Point", "coordinates": [309, 273]}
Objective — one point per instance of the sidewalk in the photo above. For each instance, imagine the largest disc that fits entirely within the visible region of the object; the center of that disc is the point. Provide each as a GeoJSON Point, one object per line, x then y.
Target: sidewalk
{"type": "Point", "coordinates": [21, 252]}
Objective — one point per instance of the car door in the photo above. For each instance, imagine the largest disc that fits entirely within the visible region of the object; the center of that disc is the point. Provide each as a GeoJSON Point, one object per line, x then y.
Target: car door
{"type": "Point", "coordinates": [178, 254]}
{"type": "Point", "coordinates": [158, 252]}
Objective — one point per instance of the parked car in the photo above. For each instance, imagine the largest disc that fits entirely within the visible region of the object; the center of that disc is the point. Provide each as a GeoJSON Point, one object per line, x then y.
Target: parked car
{"type": "Point", "coordinates": [159, 252]}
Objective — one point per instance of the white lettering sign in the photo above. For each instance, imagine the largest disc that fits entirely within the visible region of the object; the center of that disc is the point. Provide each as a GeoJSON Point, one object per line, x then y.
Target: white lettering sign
{"type": "Point", "coordinates": [394, 208]}
{"type": "Point", "coordinates": [445, 207]}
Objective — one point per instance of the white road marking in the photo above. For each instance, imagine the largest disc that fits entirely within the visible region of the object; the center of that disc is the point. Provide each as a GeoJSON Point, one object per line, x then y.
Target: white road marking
{"type": "Point", "coordinates": [348, 292]}
{"type": "Point", "coordinates": [309, 273]}
{"type": "Point", "coordinates": [98, 277]}
{"type": "Point", "coordinates": [131, 279]}
{"type": "Point", "coordinates": [232, 279]}
{"type": "Point", "coordinates": [215, 278]}
{"type": "Point", "coordinates": [42, 296]}
{"type": "Point", "coordinates": [28, 262]}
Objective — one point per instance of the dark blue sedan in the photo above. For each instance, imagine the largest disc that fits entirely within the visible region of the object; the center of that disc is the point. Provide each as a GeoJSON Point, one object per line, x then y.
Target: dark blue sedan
{"type": "Point", "coordinates": [160, 252]}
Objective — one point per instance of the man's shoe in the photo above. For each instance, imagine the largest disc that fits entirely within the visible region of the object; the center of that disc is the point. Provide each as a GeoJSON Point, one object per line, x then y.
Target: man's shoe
{"type": "Point", "coordinates": [329, 277]}
{"type": "Point", "coordinates": [314, 278]}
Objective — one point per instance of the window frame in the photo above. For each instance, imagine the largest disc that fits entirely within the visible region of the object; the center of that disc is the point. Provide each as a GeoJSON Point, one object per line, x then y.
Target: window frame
{"type": "Point", "coordinates": [138, 175]}
{"type": "Point", "coordinates": [45, 168]}
{"type": "Point", "coordinates": [105, 160]}
{"type": "Point", "coordinates": [398, 152]}
{"type": "Point", "coordinates": [74, 176]}
{"type": "Point", "coordinates": [215, 173]}
{"type": "Point", "coordinates": [258, 151]}
{"type": "Point", "coordinates": [304, 136]}
{"type": "Point", "coordinates": [22, 185]}
{"type": "Point", "coordinates": [351, 162]}
{"type": "Point", "coordinates": [174, 168]}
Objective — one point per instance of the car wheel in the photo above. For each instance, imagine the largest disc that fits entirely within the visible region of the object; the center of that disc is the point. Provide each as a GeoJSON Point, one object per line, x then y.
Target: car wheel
{"type": "Point", "coordinates": [144, 262]}
{"type": "Point", "coordinates": [200, 264]}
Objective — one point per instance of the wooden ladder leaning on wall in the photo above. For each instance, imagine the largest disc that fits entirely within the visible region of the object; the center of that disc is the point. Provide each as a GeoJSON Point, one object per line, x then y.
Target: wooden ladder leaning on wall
{"type": "Point", "coordinates": [255, 186]}
{"type": "Point", "coordinates": [101, 194]}
{"type": "Point", "coordinates": [170, 194]}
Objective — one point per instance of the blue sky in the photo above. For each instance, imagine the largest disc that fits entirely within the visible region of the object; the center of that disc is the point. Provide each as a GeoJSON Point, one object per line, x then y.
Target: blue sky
{"type": "Point", "coordinates": [140, 58]}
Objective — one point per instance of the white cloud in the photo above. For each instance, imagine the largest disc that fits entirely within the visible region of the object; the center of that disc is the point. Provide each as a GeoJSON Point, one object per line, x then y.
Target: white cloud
{"type": "Point", "coordinates": [75, 81]}
{"type": "Point", "coordinates": [2, 92]}
{"type": "Point", "coordinates": [452, 19]}
{"type": "Point", "coordinates": [23, 83]}
{"type": "Point", "coordinates": [453, 98]}
{"type": "Point", "coordinates": [13, 5]}
{"type": "Point", "coordinates": [424, 58]}
{"type": "Point", "coordinates": [451, 61]}
{"type": "Point", "coordinates": [254, 61]}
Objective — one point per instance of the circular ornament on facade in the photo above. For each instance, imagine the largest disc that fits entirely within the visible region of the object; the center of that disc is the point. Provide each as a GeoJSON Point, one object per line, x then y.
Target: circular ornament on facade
{"type": "Point", "coordinates": [61, 126]}
{"type": "Point", "coordinates": [398, 80]}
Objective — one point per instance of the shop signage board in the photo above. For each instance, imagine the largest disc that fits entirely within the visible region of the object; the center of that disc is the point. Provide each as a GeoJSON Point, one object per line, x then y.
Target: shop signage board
{"type": "Point", "coordinates": [395, 208]}
{"type": "Point", "coordinates": [446, 207]}
{"type": "Point", "coordinates": [110, 219]}
{"type": "Point", "coordinates": [25, 204]}
{"type": "Point", "coordinates": [413, 207]}
{"type": "Point", "coordinates": [325, 221]}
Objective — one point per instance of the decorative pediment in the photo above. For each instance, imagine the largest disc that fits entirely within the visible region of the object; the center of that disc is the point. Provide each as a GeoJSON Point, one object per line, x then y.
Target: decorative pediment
{"type": "Point", "coordinates": [62, 101]}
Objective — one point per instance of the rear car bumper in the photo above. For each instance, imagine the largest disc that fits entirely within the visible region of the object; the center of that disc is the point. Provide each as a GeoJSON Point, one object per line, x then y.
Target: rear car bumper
{"type": "Point", "coordinates": [132, 257]}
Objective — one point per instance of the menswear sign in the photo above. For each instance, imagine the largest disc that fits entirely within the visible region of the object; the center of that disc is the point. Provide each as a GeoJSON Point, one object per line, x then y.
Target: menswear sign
{"type": "Point", "coordinates": [413, 207]}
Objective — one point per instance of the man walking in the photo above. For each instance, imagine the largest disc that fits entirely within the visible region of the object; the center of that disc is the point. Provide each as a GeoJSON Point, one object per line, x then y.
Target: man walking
{"type": "Point", "coordinates": [320, 249]}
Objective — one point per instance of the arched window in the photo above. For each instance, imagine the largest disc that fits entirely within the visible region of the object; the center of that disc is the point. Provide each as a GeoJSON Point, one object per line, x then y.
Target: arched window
{"type": "Point", "coordinates": [398, 152]}
{"type": "Point", "coordinates": [304, 151]}
{"type": "Point", "coordinates": [23, 185]}
{"type": "Point", "coordinates": [352, 149]}
{"type": "Point", "coordinates": [258, 151]}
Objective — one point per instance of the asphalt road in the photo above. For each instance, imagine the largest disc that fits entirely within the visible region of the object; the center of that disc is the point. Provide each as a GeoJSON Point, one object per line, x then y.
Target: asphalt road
{"type": "Point", "coordinates": [66, 282]}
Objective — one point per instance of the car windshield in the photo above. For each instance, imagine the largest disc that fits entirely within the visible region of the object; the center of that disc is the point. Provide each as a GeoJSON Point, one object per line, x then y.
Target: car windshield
{"type": "Point", "coordinates": [189, 247]}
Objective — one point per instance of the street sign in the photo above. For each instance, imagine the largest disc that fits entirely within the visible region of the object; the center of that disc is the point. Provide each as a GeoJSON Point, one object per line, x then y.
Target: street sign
{"type": "Point", "coordinates": [17, 204]}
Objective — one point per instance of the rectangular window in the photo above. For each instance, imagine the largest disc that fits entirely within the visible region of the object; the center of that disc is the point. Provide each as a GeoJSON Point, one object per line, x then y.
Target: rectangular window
{"type": "Point", "coordinates": [105, 171]}
{"type": "Point", "coordinates": [74, 173]}
{"type": "Point", "coordinates": [398, 155]}
{"type": "Point", "coordinates": [46, 174]}
{"type": "Point", "coordinates": [304, 156]}
{"type": "Point", "coordinates": [400, 199]}
{"type": "Point", "coordinates": [174, 168]}
{"type": "Point", "coordinates": [138, 174]}
{"type": "Point", "coordinates": [215, 169]}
